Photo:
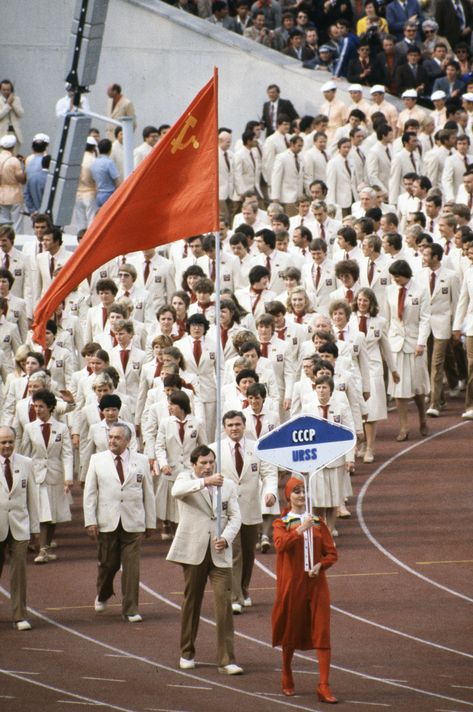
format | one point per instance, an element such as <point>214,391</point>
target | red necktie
<point>197,351</point>
<point>6,262</point>
<point>146,270</point>
<point>127,294</point>
<point>431,226</point>
<point>47,356</point>
<point>223,336</point>
<point>300,319</point>
<point>348,168</point>
<point>46,428</point>
<point>104,316</point>
<point>264,348</point>
<point>447,247</point>
<point>341,336</point>
<point>8,474</point>
<point>370,271</point>
<point>349,296</point>
<point>5,308</point>
<point>388,153</point>
<point>158,368</point>
<point>322,232</point>
<point>182,424</point>
<point>40,247</point>
<point>286,141</point>
<point>213,270</point>
<point>31,413</point>
<point>317,277</point>
<point>413,163</point>
<point>245,403</point>
<point>25,392</point>
<point>268,264</point>
<point>362,324</point>
<point>124,356</point>
<point>119,466</point>
<point>282,333</point>
<point>225,155</point>
<point>297,162</point>
<point>258,424</point>
<point>432,282</point>
<point>324,411</point>
<point>400,302</point>
<point>255,303</point>
<point>114,339</point>
<point>51,267</point>
<point>325,156</point>
<point>238,459</point>
<point>361,155</point>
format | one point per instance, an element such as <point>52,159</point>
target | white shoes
<point>22,625</point>
<point>236,608</point>
<point>343,512</point>
<point>247,603</point>
<point>368,456</point>
<point>99,606</point>
<point>231,669</point>
<point>135,618</point>
<point>433,412</point>
<point>468,414</point>
<point>186,664</point>
<point>265,544</point>
<point>42,557</point>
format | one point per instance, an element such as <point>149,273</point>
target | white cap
<point>328,86</point>
<point>41,137</point>
<point>377,89</point>
<point>8,141</point>
<point>437,95</point>
<point>355,87</point>
<point>409,94</point>
<point>468,96</point>
<point>91,141</point>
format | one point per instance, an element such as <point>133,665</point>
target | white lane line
<point>147,661</point>
<point>22,672</point>
<point>102,679</point>
<point>190,687</point>
<point>77,702</point>
<point>380,625</point>
<point>371,704</point>
<point>363,675</point>
<point>82,698</point>
<point>162,709</point>
<point>116,655</point>
<point>375,542</point>
<point>464,687</point>
<point>45,650</point>
<point>6,697</point>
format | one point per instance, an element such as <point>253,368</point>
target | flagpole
<point>218,364</point>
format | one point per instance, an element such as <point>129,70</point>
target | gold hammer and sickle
<point>178,143</point>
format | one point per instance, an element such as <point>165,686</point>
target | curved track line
<point>65,692</point>
<point>375,542</point>
<point>147,661</point>
<point>379,625</point>
<point>306,657</point>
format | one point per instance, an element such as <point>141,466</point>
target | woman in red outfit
<point>301,613</point>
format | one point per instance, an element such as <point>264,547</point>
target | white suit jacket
<point>342,188</point>
<point>378,165</point>
<point>19,507</point>
<point>414,329</point>
<point>287,178</point>
<point>21,269</point>
<point>434,164</point>
<point>464,312</point>
<point>443,301</point>
<point>274,144</point>
<point>197,526</point>
<point>254,472</point>
<point>41,274</point>
<point>452,177</point>
<point>107,501</point>
<point>52,464</point>
<point>320,296</point>
<point>315,166</point>
<point>245,172</point>
<point>169,449</point>
<point>402,164</point>
<point>225,175</point>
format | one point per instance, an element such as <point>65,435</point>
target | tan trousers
<point>244,547</point>
<point>195,578</point>
<point>438,349</point>
<point>469,383</point>
<point>115,549</point>
<point>17,551</point>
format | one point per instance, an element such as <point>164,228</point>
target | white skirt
<point>376,403</point>
<point>329,488</point>
<point>414,376</point>
<point>54,504</point>
<point>166,504</point>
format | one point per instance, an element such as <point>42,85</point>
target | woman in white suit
<point>367,321</point>
<point>408,310</point>
<point>178,435</point>
<point>48,443</point>
<point>229,327</point>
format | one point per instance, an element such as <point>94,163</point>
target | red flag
<point>172,194</point>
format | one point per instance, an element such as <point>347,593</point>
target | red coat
<point>301,612</point>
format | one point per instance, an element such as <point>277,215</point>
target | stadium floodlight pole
<point>218,365</point>
<point>126,124</point>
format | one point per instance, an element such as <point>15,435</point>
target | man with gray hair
<point>119,507</point>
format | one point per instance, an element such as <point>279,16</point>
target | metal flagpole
<point>218,364</point>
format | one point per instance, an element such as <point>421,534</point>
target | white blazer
<point>414,329</point>
<point>52,464</point>
<point>443,301</point>
<point>19,507</point>
<point>107,501</point>
<point>169,448</point>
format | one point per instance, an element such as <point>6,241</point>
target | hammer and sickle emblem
<point>178,143</point>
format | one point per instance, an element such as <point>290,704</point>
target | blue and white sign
<point>305,444</point>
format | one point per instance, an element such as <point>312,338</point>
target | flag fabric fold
<point>171,195</point>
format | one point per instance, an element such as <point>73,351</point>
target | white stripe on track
<point>375,542</point>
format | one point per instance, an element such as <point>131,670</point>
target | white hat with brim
<point>91,141</point>
<point>468,96</point>
<point>377,89</point>
<point>409,94</point>
<point>328,86</point>
<point>355,87</point>
<point>41,137</point>
<point>437,95</point>
<point>8,141</point>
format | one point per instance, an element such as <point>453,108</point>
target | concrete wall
<point>160,55</point>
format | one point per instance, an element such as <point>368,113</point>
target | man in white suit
<point>378,158</point>
<point>443,286</point>
<point>315,161</point>
<point>19,265</point>
<point>205,554</point>
<point>455,166</point>
<point>341,178</point>
<point>119,507</point>
<point>287,178</point>
<point>463,323</point>
<point>241,465</point>
<point>50,261</point>
<point>246,172</point>
<point>225,175</point>
<point>407,160</point>
<point>19,518</point>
